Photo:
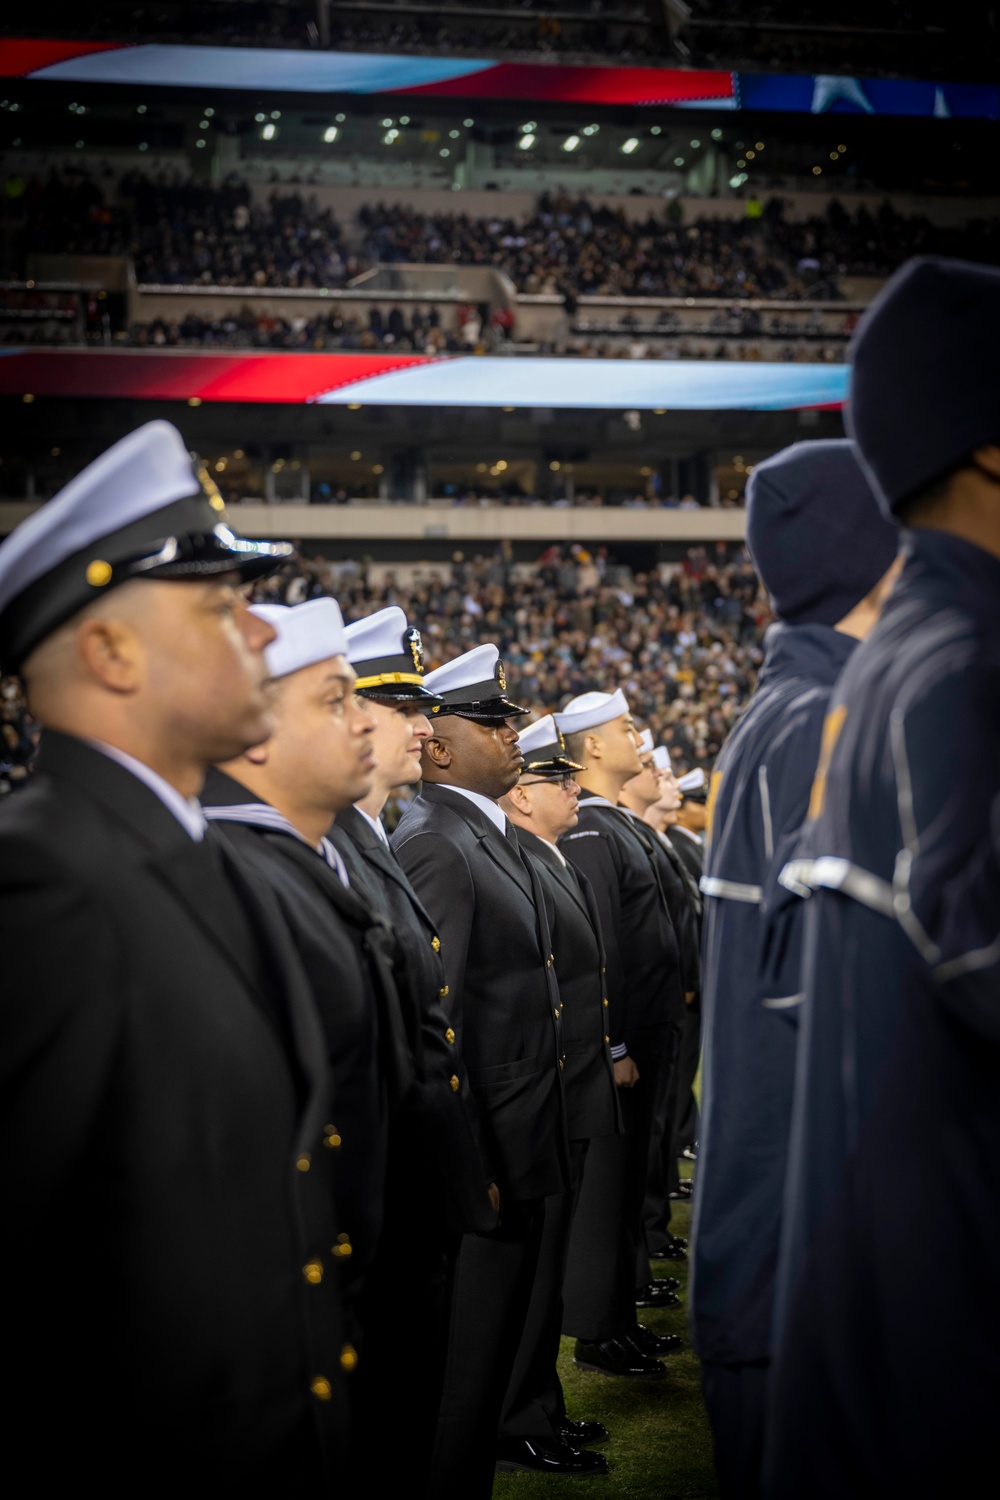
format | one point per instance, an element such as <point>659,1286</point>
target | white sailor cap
<point>388,656</point>
<point>694,785</point>
<point>304,634</point>
<point>645,741</point>
<point>661,758</point>
<point>143,509</point>
<point>544,750</point>
<point>591,710</point>
<point>474,686</point>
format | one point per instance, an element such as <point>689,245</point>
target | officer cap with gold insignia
<point>388,656</point>
<point>544,750</point>
<point>143,509</point>
<point>473,686</point>
<point>694,786</point>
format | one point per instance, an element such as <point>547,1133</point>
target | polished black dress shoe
<point>656,1296</point>
<point>674,1249</point>
<point>668,1283</point>
<point>681,1193</point>
<point>655,1345</point>
<point>617,1357</point>
<point>547,1458</point>
<point>582,1434</point>
<point>690,1153</point>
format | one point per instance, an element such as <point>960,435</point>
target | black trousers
<point>488,1306</point>
<point>534,1401</point>
<point>599,1289</point>
<point>735,1400</point>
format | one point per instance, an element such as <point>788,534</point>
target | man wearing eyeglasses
<point>535,1432</point>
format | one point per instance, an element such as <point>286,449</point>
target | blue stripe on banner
<point>601,385</point>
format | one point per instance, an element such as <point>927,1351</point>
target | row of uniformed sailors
<point>314,1111</point>
<point>848,1162</point>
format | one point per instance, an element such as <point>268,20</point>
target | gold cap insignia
<point>98,573</point>
<point>501,677</point>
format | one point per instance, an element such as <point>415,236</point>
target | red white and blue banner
<point>275,70</point>
<point>420,380</point>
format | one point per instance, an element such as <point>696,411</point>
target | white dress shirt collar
<point>375,824</point>
<point>495,814</point>
<point>187,811</point>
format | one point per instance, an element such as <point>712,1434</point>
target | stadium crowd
<point>181,232</point>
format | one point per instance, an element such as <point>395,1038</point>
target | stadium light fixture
<point>656,130</point>
<point>454,134</point>
<point>209,113</point>
<point>694,145</point>
<point>591,129</point>
<point>386,124</point>
<point>202,124</point>
<point>390,137</point>
<point>260,118</point>
<point>269,132</point>
<point>759,145</point>
<point>571,142</point>
<point>531,126</point>
<point>444,151</point>
<point>200,141</point>
<point>140,109</point>
<point>143,145</point>
<point>276,114</point>
<point>716,135</point>
<point>468,124</point>
<point>340,119</point>
<point>330,134</point>
<point>632,144</point>
<point>403,119</point>
<point>526,142</point>
<point>678,161</point>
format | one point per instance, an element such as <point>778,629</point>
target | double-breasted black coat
<point>503,998</point>
<point>437,1148</point>
<point>165,1100</point>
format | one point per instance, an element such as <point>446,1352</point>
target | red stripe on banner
<point>109,374</point>
<point>20,57</point>
<point>583,85</point>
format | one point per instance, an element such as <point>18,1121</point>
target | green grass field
<point>660,1446</point>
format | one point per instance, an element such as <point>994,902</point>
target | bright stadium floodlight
<point>390,137</point>
<point>571,142</point>
<point>531,126</point>
<point>269,132</point>
<point>591,129</point>
<point>526,142</point>
<point>330,134</point>
<point>632,144</point>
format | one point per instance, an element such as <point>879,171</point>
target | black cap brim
<point>485,708</point>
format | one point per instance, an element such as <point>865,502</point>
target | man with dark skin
<point>502,999</point>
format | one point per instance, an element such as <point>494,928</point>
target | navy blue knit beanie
<point>925,384</point>
<point>815,531</point>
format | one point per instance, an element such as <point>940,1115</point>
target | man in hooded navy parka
<point>894,1167</point>
<point>825,553</point>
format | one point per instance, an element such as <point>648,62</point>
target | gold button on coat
<point>321,1388</point>
<point>436,944</point>
<point>348,1357</point>
<point>443,993</point>
<point>304,1161</point>
<point>313,1272</point>
<point>343,1248</point>
<point>449,1036</point>
<point>455,1083</point>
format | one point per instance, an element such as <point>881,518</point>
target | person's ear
<point>112,653</point>
<point>257,754</point>
<point>519,798</point>
<point>438,752</point>
<point>987,458</point>
<point>592,748</point>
